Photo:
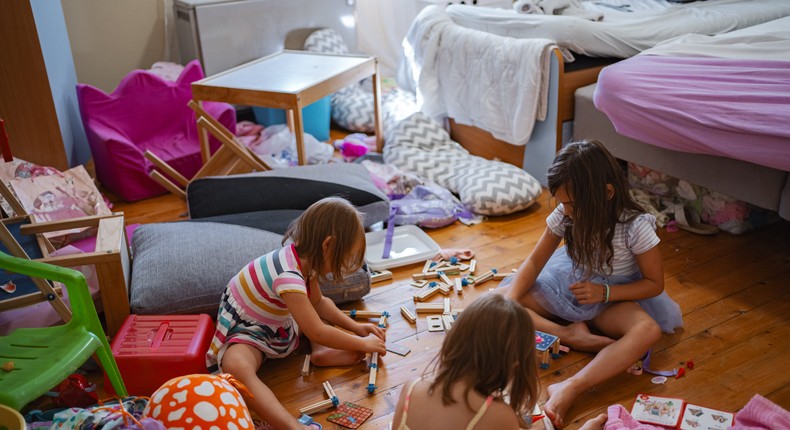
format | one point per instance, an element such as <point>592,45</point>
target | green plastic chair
<point>43,357</point>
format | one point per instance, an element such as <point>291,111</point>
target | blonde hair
<point>492,347</point>
<point>339,220</point>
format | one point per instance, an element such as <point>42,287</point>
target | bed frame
<point>547,137</point>
<point>759,185</point>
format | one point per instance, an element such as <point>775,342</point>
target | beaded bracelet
<point>606,295</point>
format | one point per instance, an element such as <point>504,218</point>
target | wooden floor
<point>733,291</point>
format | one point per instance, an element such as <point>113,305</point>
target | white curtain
<point>381,27</point>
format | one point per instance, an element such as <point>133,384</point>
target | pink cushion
<point>145,112</point>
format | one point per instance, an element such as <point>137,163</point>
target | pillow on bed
<point>486,187</point>
<point>183,267</point>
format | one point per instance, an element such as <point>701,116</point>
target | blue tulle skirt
<point>551,291</point>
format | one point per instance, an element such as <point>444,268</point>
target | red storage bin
<point>152,349</point>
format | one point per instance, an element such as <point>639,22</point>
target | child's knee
<point>236,365</point>
<point>649,330</point>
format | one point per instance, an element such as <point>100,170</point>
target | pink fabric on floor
<point>761,414</point>
<point>621,419</point>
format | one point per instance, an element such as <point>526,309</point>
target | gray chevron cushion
<point>352,106</point>
<point>486,187</point>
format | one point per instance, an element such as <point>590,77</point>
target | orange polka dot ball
<point>200,402</point>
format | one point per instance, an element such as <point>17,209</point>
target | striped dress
<point>252,310</point>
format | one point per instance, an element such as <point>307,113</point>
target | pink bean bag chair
<point>146,112</point>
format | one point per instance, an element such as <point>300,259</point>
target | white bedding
<point>623,34</point>
<point>768,41</point>
<point>494,83</point>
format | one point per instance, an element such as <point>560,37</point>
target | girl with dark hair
<point>608,276</point>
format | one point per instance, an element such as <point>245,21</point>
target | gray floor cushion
<point>183,267</point>
<point>486,187</point>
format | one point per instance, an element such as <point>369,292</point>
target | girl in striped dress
<point>608,276</point>
<point>277,297</point>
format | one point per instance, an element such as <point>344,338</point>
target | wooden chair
<point>232,157</point>
<point>110,258</point>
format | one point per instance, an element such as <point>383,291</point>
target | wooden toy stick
<point>445,279</point>
<point>452,270</point>
<point>426,275</point>
<point>408,315</point>
<point>427,266</point>
<point>501,276</point>
<point>329,391</point>
<point>429,308</point>
<point>374,364</point>
<point>459,287</point>
<point>306,365</point>
<point>426,294</point>
<point>485,277</point>
<point>446,308</point>
<point>435,323</point>
<point>363,314</point>
<point>448,321</point>
<point>380,275</point>
<point>318,406</point>
<point>383,319</point>
<point>472,266</point>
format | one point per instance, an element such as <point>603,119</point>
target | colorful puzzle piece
<point>350,415</point>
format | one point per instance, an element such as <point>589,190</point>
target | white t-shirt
<point>630,239</point>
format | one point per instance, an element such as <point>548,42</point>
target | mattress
<point>622,34</point>
<point>731,102</point>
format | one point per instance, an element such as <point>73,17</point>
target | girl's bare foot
<point>580,338</point>
<point>561,396</point>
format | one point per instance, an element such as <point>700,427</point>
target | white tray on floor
<point>409,245</point>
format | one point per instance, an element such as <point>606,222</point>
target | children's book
<point>676,413</point>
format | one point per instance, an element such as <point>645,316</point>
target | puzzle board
<point>350,415</point>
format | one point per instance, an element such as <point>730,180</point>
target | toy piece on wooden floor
<point>435,323</point>
<point>636,368</point>
<point>308,421</point>
<point>472,266</point>
<point>353,313</point>
<point>383,319</point>
<point>429,308</point>
<point>408,315</point>
<point>448,321</point>
<point>306,365</point>
<point>350,415</point>
<point>332,401</point>
<point>449,270</point>
<point>445,279</point>
<point>498,276</point>
<point>398,349</point>
<point>544,342</point>
<point>426,294</point>
<point>459,286</point>
<point>380,275</point>
<point>424,275</point>
<point>374,365</point>
<point>419,284</point>
<point>446,309</point>
<point>428,265</point>
<point>485,277</point>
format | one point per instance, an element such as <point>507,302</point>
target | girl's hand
<point>364,329</point>
<point>588,293</point>
<point>374,344</point>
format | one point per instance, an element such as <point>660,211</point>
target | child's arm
<point>329,312</point>
<point>311,325</point>
<point>530,269</point>
<point>651,284</point>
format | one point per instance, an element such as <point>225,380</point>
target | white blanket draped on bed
<point>487,81</point>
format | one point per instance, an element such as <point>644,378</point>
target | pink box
<point>152,349</point>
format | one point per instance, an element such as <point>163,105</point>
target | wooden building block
<point>435,323</point>
<point>408,315</point>
<point>380,275</point>
<point>429,308</point>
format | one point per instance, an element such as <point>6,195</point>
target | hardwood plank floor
<point>733,291</point>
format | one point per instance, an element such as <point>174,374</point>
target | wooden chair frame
<point>110,258</point>
<point>232,157</point>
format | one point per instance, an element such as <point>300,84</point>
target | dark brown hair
<point>335,218</point>
<point>491,347</point>
<point>585,169</point>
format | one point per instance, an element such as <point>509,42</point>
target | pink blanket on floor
<point>759,414</point>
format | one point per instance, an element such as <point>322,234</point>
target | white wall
<point>381,27</point>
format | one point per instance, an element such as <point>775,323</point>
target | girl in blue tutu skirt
<point>608,276</point>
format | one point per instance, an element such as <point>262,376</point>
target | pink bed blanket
<point>725,107</point>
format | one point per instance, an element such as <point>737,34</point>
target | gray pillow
<point>183,267</point>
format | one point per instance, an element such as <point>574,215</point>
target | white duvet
<point>479,79</point>
<point>622,34</point>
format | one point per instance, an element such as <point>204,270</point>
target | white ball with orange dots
<point>200,402</point>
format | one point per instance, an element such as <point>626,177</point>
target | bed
<point>713,110</point>
<point>506,80</point>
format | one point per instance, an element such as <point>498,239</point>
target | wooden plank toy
<point>429,308</point>
<point>448,321</point>
<point>459,287</point>
<point>306,365</point>
<point>380,275</point>
<point>435,323</point>
<point>332,401</point>
<point>472,266</point>
<point>408,315</point>
<point>545,342</point>
<point>374,364</point>
<point>383,319</point>
<point>485,277</point>
<point>424,276</point>
<point>353,313</point>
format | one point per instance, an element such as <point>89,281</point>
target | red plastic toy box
<point>152,349</point>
